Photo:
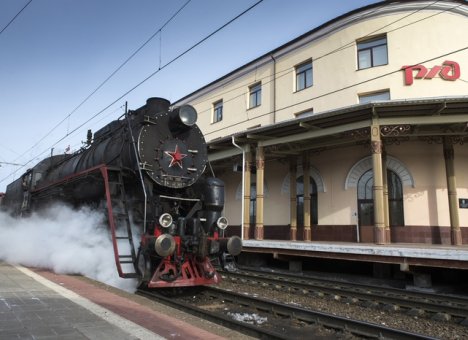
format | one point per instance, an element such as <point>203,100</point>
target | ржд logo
<point>450,70</point>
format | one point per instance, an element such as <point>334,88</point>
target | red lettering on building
<point>450,70</point>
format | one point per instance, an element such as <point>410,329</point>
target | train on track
<point>146,171</point>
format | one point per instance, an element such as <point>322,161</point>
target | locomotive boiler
<point>146,169</point>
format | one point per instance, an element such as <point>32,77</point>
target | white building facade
<point>373,106</point>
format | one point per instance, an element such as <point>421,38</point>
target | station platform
<point>416,254</point>
<point>38,304</point>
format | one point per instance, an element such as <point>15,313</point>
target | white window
<point>218,111</point>
<point>304,75</point>
<point>255,95</point>
<point>372,52</point>
<point>374,96</point>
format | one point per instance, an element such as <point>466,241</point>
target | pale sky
<point>55,53</point>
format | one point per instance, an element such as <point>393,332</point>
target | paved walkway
<point>38,304</point>
<point>33,308</point>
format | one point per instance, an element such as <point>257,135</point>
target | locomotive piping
<point>139,167</point>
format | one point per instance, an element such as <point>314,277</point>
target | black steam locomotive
<point>146,170</point>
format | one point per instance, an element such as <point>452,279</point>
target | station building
<point>355,131</point>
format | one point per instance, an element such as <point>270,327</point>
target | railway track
<point>427,305</point>
<point>267,319</point>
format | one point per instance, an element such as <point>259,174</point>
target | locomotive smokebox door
<point>171,155</point>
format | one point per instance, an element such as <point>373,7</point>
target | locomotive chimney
<point>157,105</point>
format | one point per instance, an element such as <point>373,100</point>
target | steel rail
<point>217,318</point>
<point>280,311</point>
<point>456,307</point>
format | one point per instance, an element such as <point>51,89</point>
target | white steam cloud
<point>63,240</point>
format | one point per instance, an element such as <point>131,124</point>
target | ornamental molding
<point>395,130</point>
<point>365,164</point>
<point>313,172</point>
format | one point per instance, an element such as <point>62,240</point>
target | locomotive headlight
<point>222,223</point>
<point>165,220</point>
<point>188,115</point>
<point>182,118</point>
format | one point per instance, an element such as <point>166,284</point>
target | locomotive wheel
<point>144,268</point>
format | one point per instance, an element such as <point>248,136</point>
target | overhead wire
<point>142,82</point>
<point>14,18</point>
<point>287,70</point>
<point>107,79</point>
<point>340,89</point>
<point>347,45</point>
<point>158,70</point>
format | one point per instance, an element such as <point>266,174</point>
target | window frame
<point>217,111</point>
<point>300,201</point>
<point>255,91</point>
<point>365,199</point>
<point>304,82</point>
<point>372,50</point>
<point>369,95</point>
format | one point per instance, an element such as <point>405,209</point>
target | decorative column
<point>260,157</point>
<point>293,198</point>
<point>455,231</point>
<point>246,198</point>
<point>379,219</point>
<point>385,195</point>
<point>306,168</point>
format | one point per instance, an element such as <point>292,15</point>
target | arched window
<point>300,201</point>
<point>366,199</point>
<point>395,199</point>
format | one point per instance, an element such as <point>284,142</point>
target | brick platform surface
<point>38,304</point>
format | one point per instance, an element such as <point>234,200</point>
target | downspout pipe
<point>243,185</point>
<point>274,88</point>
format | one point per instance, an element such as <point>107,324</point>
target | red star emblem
<point>176,157</point>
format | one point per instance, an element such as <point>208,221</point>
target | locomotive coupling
<point>165,245</point>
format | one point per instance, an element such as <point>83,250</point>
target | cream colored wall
<point>236,114</point>
<point>411,39</point>
<point>232,206</point>
<point>410,45</point>
<point>461,166</point>
<point>337,205</point>
<point>425,205</point>
<point>276,203</point>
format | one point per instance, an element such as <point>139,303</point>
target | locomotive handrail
<point>137,158</point>
<point>69,178</point>
<point>180,198</point>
